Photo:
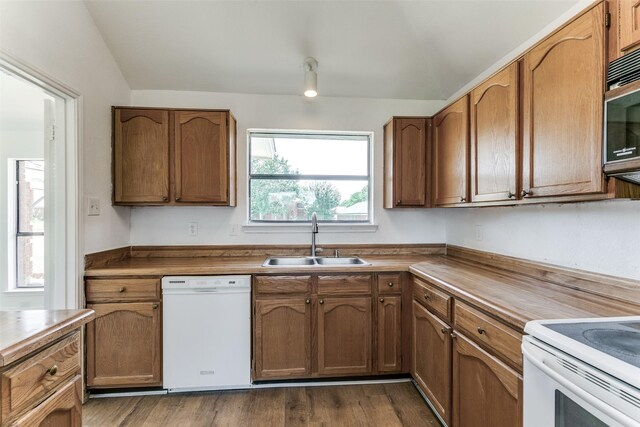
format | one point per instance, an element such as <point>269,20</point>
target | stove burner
<point>615,340</point>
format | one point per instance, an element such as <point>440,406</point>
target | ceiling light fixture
<point>310,77</point>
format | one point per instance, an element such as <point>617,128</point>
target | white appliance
<point>206,332</point>
<point>582,372</point>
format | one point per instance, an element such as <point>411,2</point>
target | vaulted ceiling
<point>375,49</point>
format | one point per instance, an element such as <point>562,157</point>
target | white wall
<point>60,39</point>
<point>602,237</point>
<point>156,226</point>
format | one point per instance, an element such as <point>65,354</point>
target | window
<point>29,217</point>
<point>292,175</point>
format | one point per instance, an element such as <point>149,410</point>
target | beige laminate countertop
<point>22,332</point>
<point>510,296</point>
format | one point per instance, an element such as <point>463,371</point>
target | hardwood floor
<point>397,404</point>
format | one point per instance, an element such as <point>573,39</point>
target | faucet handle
<point>319,250</point>
<point>337,253</point>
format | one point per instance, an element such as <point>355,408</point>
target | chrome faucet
<point>314,231</point>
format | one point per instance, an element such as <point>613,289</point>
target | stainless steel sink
<point>341,261</point>
<point>288,261</point>
<point>312,261</point>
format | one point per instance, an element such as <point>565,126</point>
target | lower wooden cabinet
<point>486,392</point>
<point>431,361</point>
<point>123,345</point>
<point>344,336</point>
<point>282,331</point>
<point>389,334</point>
<point>61,409</point>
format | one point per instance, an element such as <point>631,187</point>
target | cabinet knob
<point>154,306</point>
<point>444,330</point>
<point>511,195</point>
<point>453,335</point>
<point>307,301</point>
<point>381,299</point>
<point>398,202</point>
<point>165,198</point>
<point>321,301</point>
<point>481,331</point>
<point>53,370</point>
<point>427,297</point>
<point>390,284</point>
<point>178,199</point>
<point>463,199</point>
<point>122,289</point>
<point>526,193</point>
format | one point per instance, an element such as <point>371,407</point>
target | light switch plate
<point>192,229</point>
<point>93,208</point>
<point>479,233</point>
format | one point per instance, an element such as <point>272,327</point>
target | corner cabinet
<point>407,160</point>
<point>564,81</point>
<point>451,142</point>
<point>174,157</point>
<point>494,137</point>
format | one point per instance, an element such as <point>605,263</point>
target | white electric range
<point>582,372</point>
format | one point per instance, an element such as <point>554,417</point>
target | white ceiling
<point>375,49</point>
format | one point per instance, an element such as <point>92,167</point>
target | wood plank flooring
<point>397,404</point>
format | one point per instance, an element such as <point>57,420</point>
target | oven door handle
<point>587,397</point>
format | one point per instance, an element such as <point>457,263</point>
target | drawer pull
<point>307,301</point>
<point>444,330</point>
<point>427,297</point>
<point>453,335</point>
<point>390,284</point>
<point>481,331</point>
<point>154,306</point>
<point>321,301</point>
<point>53,370</point>
<point>122,289</point>
<point>381,299</point>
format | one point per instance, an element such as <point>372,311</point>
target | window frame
<point>15,211</point>
<point>311,134</point>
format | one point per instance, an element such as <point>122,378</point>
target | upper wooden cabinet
<point>494,137</point>
<point>451,142</point>
<point>563,110</point>
<point>629,22</point>
<point>407,159</point>
<point>141,156</point>
<point>174,157</point>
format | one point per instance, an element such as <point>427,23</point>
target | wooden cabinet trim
<point>285,285</point>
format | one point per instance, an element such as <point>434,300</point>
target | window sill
<point>23,291</point>
<point>306,228</point>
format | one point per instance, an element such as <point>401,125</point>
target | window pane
<point>30,261</point>
<point>30,177</point>
<point>296,200</point>
<point>310,155</point>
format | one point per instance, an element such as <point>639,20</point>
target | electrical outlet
<point>94,207</point>
<point>233,230</point>
<point>192,229</point>
<point>479,233</point>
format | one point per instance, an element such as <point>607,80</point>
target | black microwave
<point>621,147</point>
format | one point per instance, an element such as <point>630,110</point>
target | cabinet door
<point>486,392</point>
<point>389,332</point>
<point>201,157</point>
<point>141,156</point>
<point>123,345</point>
<point>494,143</point>
<point>563,110</point>
<point>410,162</point>
<point>629,24</point>
<point>282,333</point>
<point>451,140</point>
<point>344,336</point>
<point>431,362</point>
<point>62,409</point>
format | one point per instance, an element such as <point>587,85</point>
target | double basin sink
<point>312,261</point>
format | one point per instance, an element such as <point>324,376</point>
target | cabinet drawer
<point>63,408</point>
<point>501,338</point>
<point>282,284</point>
<point>432,298</point>
<point>346,284</point>
<point>119,290</point>
<point>389,283</point>
<point>28,382</point>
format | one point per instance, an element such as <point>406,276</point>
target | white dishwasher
<point>206,332</point>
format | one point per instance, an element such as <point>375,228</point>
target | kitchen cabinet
<point>486,392</point>
<point>63,408</point>
<point>174,157</point>
<point>563,110</point>
<point>629,24</point>
<point>407,160</point>
<point>124,341</point>
<point>282,330</point>
<point>432,363</point>
<point>494,137</point>
<point>344,335</point>
<point>451,142</point>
